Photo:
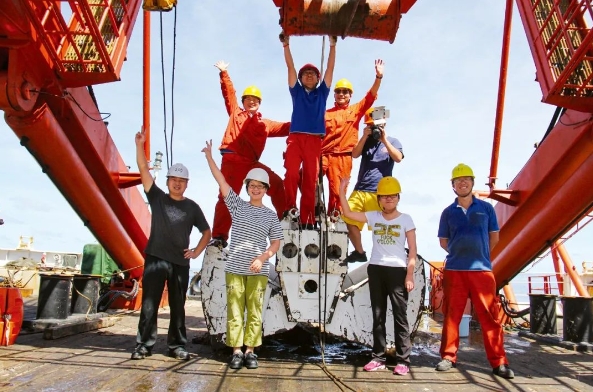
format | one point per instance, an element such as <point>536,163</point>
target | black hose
<point>510,312</point>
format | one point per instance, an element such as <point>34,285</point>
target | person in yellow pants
<point>378,153</point>
<point>247,266</point>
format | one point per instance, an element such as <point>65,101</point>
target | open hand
<point>221,65</point>
<point>379,66</point>
<point>256,264</point>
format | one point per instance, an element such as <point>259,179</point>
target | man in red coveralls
<point>242,145</point>
<point>307,128</point>
<point>341,133</point>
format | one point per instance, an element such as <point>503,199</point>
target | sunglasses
<point>343,91</point>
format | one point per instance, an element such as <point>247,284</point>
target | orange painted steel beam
<point>509,293</point>
<point>146,83</point>
<point>555,191</point>
<point>372,19</point>
<point>71,124</point>
<point>559,278</point>
<point>91,140</point>
<point>502,86</point>
<point>126,180</point>
<point>40,132</point>
<point>571,270</point>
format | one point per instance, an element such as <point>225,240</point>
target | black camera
<point>379,116</point>
<point>376,131</point>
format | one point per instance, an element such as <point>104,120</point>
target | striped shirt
<point>251,228</point>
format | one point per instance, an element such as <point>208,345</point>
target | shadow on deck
<point>100,361</point>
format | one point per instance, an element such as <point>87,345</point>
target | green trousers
<point>244,291</point>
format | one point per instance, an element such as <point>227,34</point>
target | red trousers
<point>305,149</point>
<point>234,168</point>
<point>335,167</point>
<point>480,287</point>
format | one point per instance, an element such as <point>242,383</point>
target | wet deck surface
<point>100,361</point>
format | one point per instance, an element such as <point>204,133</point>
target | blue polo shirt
<point>375,163</point>
<point>468,235</point>
<point>308,109</point>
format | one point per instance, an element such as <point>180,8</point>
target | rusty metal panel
<point>372,19</point>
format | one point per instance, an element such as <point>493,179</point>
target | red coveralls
<point>302,148</point>
<point>242,145</point>
<point>480,286</point>
<point>341,136</point>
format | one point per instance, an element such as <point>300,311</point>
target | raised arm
<point>292,74</point>
<point>331,61</point>
<point>216,173</point>
<point>145,176</point>
<point>346,211</point>
<point>226,85</point>
<point>394,153</point>
<point>378,76</point>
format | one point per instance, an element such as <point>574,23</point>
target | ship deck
<point>100,361</point>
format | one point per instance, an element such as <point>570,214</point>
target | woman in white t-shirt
<point>390,270</point>
<point>247,266</point>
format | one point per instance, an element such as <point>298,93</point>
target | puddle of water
<point>301,344</point>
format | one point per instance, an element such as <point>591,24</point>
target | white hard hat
<point>178,170</point>
<point>258,174</point>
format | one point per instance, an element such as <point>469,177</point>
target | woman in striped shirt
<point>247,266</point>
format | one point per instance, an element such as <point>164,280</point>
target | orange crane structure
<point>47,66</point>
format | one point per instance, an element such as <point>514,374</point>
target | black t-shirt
<point>172,222</point>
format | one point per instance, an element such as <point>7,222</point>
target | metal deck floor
<point>100,361</point>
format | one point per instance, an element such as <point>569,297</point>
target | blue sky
<point>440,84</point>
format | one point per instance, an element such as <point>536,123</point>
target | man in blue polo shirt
<point>307,128</point>
<point>468,231</point>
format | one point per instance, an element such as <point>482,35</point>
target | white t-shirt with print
<point>389,239</point>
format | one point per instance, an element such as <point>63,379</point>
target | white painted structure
<point>25,250</point>
<point>21,265</point>
<point>310,284</point>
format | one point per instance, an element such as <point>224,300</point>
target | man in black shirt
<point>167,255</point>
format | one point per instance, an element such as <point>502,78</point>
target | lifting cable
<point>323,242</point>
<point>168,145</point>
<point>323,262</point>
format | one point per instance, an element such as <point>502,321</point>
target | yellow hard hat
<point>388,186</point>
<point>462,170</point>
<point>344,83</point>
<point>253,91</point>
